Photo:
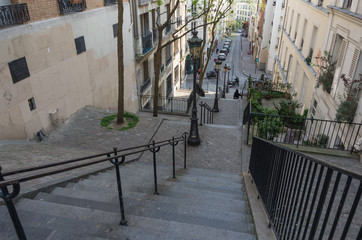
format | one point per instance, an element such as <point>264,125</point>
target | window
<point>19,69</point>
<point>303,33</point>
<point>145,24</point>
<point>145,70</point>
<point>31,103</point>
<point>80,45</point>
<point>290,22</point>
<point>347,4</point>
<point>296,28</point>
<point>115,30</point>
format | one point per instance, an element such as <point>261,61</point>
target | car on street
<point>228,40</point>
<point>224,50</point>
<point>222,56</point>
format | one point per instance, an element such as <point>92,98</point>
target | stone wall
<point>61,80</point>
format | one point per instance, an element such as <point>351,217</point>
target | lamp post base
<point>194,138</point>
<point>216,105</point>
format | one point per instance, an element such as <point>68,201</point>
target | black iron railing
<point>162,68</point>
<point>147,42</point>
<point>145,85</point>
<point>110,2</point>
<point>13,14</point>
<point>69,6</point>
<point>306,198</point>
<point>116,157</point>
<point>302,131</point>
<point>206,114</point>
<point>165,104</point>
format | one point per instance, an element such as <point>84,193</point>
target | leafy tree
<point>326,71</point>
<point>198,13</point>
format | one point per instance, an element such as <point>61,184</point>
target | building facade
<point>61,59</point>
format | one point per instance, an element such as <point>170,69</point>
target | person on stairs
<point>237,94</point>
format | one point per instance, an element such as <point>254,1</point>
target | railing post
<point>247,135</point>
<point>116,163</point>
<point>184,137</point>
<point>354,142</point>
<point>154,151</point>
<point>173,144</point>
<point>7,197</point>
<point>300,131</point>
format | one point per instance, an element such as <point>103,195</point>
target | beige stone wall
<point>60,80</point>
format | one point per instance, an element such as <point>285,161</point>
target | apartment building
<point>302,40</point>
<point>274,14</point>
<point>145,16</point>
<point>256,25</point>
<point>344,42</point>
<point>57,57</point>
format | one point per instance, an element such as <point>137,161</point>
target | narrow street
<point>241,65</point>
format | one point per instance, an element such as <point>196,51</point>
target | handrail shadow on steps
<point>116,157</point>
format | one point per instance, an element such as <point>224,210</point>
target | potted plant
<point>326,71</point>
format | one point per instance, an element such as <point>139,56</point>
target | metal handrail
<point>294,190</point>
<point>206,113</point>
<point>19,177</point>
<point>165,104</point>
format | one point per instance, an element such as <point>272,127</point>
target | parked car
<point>211,74</point>
<point>228,40</point>
<point>222,56</point>
<point>227,46</point>
<point>224,50</point>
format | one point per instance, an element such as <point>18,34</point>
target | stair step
<point>134,206</point>
<point>185,229</point>
<point>107,197</point>
<point>212,173</point>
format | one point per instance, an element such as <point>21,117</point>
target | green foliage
<point>326,72</point>
<point>131,119</point>
<point>287,107</point>
<point>320,140</point>
<point>347,108</point>
<point>269,127</point>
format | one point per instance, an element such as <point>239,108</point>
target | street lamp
<point>225,70</point>
<point>217,68</point>
<point>195,52</point>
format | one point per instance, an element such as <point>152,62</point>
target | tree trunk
<point>120,64</point>
<point>157,66</point>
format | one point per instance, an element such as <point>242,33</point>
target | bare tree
<point>120,64</point>
<point>179,33</point>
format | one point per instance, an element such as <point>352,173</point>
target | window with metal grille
<point>80,45</point>
<point>19,69</point>
<point>31,103</point>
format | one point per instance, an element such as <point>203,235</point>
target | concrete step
<point>135,206</point>
<point>155,225</point>
<point>187,230</point>
<point>132,196</point>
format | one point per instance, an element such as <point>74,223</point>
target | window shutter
<point>342,52</point>
<point>353,63</point>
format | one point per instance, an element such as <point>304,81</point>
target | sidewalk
<point>248,64</point>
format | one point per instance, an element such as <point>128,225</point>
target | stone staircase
<point>198,204</point>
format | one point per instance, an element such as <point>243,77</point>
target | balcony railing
<point>110,2</point>
<point>309,132</point>
<point>145,85</point>
<point>13,14</point>
<point>165,104</point>
<point>305,198</point>
<point>69,6</point>
<point>147,42</point>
